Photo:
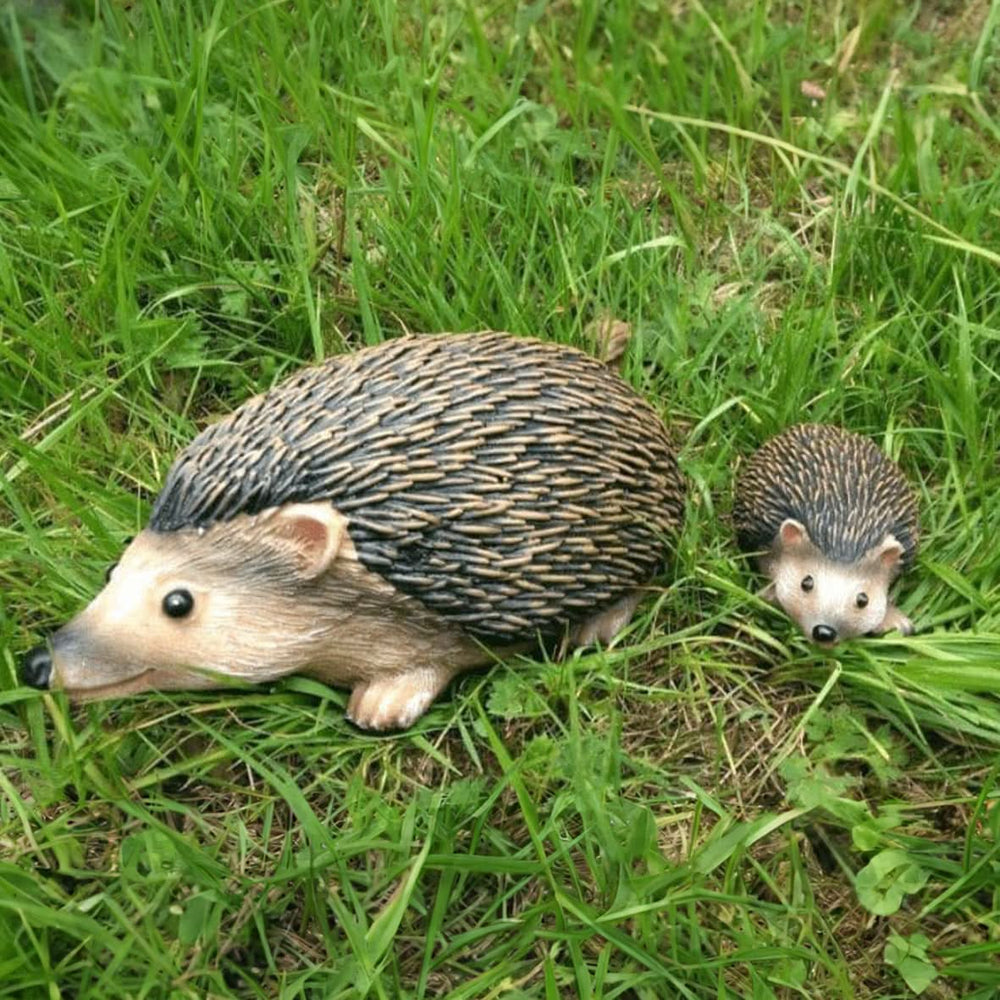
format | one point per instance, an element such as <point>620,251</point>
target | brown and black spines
<point>509,484</point>
<point>838,484</point>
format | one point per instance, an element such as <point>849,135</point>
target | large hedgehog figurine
<point>834,523</point>
<point>384,521</point>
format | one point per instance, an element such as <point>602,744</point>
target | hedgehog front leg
<point>895,619</point>
<point>396,701</point>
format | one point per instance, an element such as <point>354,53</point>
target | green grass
<point>196,199</point>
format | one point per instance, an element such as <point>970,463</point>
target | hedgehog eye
<point>807,583</point>
<point>109,571</point>
<point>862,600</point>
<point>178,603</point>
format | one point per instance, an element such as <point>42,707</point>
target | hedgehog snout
<point>36,667</point>
<point>824,633</point>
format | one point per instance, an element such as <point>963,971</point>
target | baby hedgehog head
<point>833,522</point>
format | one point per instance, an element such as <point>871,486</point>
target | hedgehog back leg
<point>606,624</point>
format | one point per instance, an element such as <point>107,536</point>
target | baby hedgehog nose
<point>36,667</point>
<point>824,633</point>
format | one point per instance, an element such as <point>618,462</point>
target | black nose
<point>36,667</point>
<point>824,633</point>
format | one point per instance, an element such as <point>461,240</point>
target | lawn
<point>796,205</point>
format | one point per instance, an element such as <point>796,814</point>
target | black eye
<point>178,603</point>
<point>807,583</point>
<point>108,572</point>
<point>862,601</point>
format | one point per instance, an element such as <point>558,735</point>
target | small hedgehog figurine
<point>835,523</point>
<point>384,521</point>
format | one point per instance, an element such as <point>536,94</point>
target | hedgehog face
<point>196,609</point>
<point>831,600</point>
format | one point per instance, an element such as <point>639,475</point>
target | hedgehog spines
<point>509,484</point>
<point>846,492</point>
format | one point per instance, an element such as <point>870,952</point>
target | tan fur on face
<point>275,593</point>
<point>835,586</point>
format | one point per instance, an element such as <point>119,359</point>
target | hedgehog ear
<point>316,532</point>
<point>890,553</point>
<point>792,533</point>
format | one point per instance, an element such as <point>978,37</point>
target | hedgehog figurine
<point>835,523</point>
<point>384,521</point>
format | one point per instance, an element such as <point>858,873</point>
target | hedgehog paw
<point>603,627</point>
<point>395,702</point>
<point>895,619</point>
